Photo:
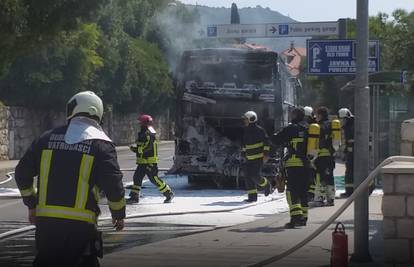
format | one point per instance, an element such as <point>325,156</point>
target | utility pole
<point>362,129</point>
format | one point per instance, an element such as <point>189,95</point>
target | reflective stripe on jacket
<point>146,147</point>
<point>69,176</point>
<point>294,137</point>
<point>255,142</point>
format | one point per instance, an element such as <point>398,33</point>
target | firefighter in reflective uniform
<point>310,119</point>
<point>329,142</point>
<point>146,151</point>
<point>296,137</point>
<point>255,148</point>
<point>72,163</point>
<point>348,129</point>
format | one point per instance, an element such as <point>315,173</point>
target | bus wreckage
<point>214,87</point>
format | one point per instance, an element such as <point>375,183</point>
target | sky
<point>313,10</point>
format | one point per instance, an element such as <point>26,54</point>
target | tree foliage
<point>396,36</point>
<point>27,24</point>
<point>235,17</point>
<point>54,49</point>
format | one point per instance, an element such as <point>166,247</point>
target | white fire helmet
<point>251,116</point>
<point>344,112</point>
<point>308,111</point>
<point>87,103</point>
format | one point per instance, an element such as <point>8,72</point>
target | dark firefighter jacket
<point>294,137</point>
<point>69,178</point>
<point>348,129</point>
<point>255,143</point>
<point>146,148</point>
<point>325,141</point>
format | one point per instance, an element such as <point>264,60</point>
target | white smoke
<point>178,30</point>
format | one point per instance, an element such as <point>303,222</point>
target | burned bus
<point>214,88</point>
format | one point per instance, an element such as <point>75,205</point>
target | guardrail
<point>360,189</point>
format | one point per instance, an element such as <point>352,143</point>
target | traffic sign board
<point>337,57</point>
<point>302,29</point>
<point>212,31</point>
<point>272,30</point>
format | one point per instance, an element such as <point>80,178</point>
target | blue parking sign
<point>338,57</point>
<point>212,31</point>
<point>283,29</point>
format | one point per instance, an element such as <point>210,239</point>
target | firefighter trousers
<point>253,179</point>
<point>151,170</point>
<point>296,192</point>
<point>324,170</point>
<point>65,243</point>
<point>349,173</point>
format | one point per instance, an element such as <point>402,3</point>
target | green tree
<point>27,25</point>
<point>235,17</point>
<point>46,78</point>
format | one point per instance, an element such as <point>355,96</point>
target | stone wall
<point>124,128</point>
<point>121,128</point>
<point>19,126</point>
<point>398,204</point>
<point>398,212</point>
<point>26,124</point>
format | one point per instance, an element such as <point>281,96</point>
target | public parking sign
<point>337,57</point>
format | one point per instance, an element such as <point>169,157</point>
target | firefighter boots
<point>169,195</point>
<point>133,199</point>
<point>295,221</point>
<point>251,198</point>
<point>268,189</point>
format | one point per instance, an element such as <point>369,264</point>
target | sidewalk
<point>249,243</point>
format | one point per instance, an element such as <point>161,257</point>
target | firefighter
<point>329,142</point>
<point>313,181</point>
<point>72,163</point>
<point>348,129</point>
<point>146,150</point>
<point>295,137</point>
<point>255,148</point>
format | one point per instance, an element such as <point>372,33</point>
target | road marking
<point>9,204</point>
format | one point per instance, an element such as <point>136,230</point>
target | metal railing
<point>360,189</point>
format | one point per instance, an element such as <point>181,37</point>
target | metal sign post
<point>362,119</point>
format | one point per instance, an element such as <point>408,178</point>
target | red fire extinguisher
<point>339,252</point>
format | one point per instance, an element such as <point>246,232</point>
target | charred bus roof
<point>219,55</point>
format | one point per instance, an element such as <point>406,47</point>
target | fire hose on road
<point>9,177</point>
<point>145,215</point>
